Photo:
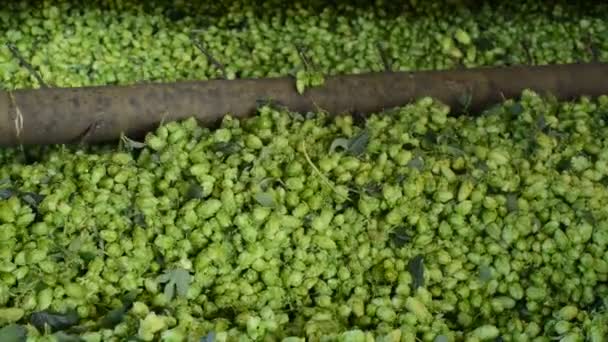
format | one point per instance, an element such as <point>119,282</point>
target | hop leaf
<point>195,191</point>
<point>176,281</point>
<point>32,199</point>
<point>355,146</point>
<point>516,109</point>
<point>6,193</point>
<point>13,333</point>
<point>416,163</point>
<point>265,199</point>
<point>416,268</point>
<point>342,143</point>
<point>209,338</point>
<point>359,143</point>
<point>226,148</point>
<point>54,320</point>
<point>441,338</point>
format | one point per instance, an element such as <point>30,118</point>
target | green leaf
<point>177,282</point>
<point>195,191</point>
<point>265,198</point>
<point>400,237</point>
<point>113,318</point>
<point>482,165</point>
<point>416,268</point>
<point>55,321</point>
<point>541,123</point>
<point>78,241</point>
<point>455,151</point>
<point>342,143</point>
<point>6,193</point>
<point>226,148</point>
<point>87,256</point>
<point>170,290</point>
<point>13,333</point>
<point>429,141</point>
<point>516,109</point>
<point>416,163</point>
<point>182,282</point>
<point>588,216</point>
<point>209,338</point>
<point>494,110</point>
<point>485,273</point>
<point>373,189</point>
<point>354,146</point>
<point>359,143</point>
<point>267,182</point>
<point>441,338</point>
<point>32,199</point>
<point>165,277</point>
<point>512,202</point>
